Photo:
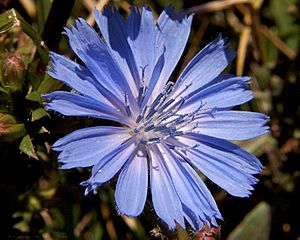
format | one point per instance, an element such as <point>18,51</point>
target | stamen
<point>128,111</point>
<point>186,87</point>
<point>159,109</point>
<point>168,88</point>
<point>155,102</point>
<point>210,111</point>
<point>143,71</point>
<point>141,93</point>
<point>159,100</point>
<point>141,116</point>
<point>170,113</point>
<point>153,140</point>
<point>178,149</point>
<point>149,127</point>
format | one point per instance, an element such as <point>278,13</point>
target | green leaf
<point>6,21</point>
<point>27,147</point>
<point>47,85</point>
<point>181,233</point>
<point>255,226</point>
<point>34,96</point>
<point>34,204</point>
<point>43,130</point>
<point>43,8</point>
<point>38,114</point>
<point>10,129</point>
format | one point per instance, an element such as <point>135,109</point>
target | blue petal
<point>75,76</point>
<point>165,199</point>
<point>238,157</point>
<point>153,81</point>
<point>97,57</point>
<point>225,94</point>
<point>132,186</point>
<point>172,32</point>
<point>142,42</point>
<point>85,147</point>
<point>233,125</point>
<point>205,66</point>
<point>132,27</point>
<point>88,132</point>
<point>70,104</point>
<point>222,162</point>
<point>190,188</point>
<point>114,31</point>
<point>191,217</point>
<point>111,163</point>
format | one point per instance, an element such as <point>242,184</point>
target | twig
<point>89,4</point>
<point>277,42</point>
<point>242,50</point>
<point>195,42</point>
<point>87,218</point>
<point>47,218</point>
<point>234,21</point>
<point>215,6</point>
<point>92,5</point>
<point>125,6</point>
<point>29,7</point>
<point>244,38</point>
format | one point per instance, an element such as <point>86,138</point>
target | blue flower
<point>167,130</point>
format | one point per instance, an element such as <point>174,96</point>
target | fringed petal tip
<point>221,41</point>
<point>175,15</point>
<point>107,11</point>
<point>90,186</point>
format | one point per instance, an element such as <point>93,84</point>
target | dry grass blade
<point>244,39</point>
<point>215,6</point>
<point>242,50</point>
<point>29,7</point>
<point>277,42</point>
<point>195,42</point>
<point>84,222</point>
<point>91,5</point>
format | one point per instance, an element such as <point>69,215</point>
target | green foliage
<point>10,129</point>
<point>11,19</point>
<point>255,226</point>
<point>284,14</point>
<point>27,147</point>
<point>47,85</point>
<point>181,233</point>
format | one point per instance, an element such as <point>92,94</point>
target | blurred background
<point>38,201</point>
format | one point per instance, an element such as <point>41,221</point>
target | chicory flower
<point>167,130</point>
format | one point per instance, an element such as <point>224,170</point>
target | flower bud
<point>12,71</point>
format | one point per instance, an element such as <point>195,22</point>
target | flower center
<point>163,118</point>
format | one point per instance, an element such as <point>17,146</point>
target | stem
<point>57,19</point>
